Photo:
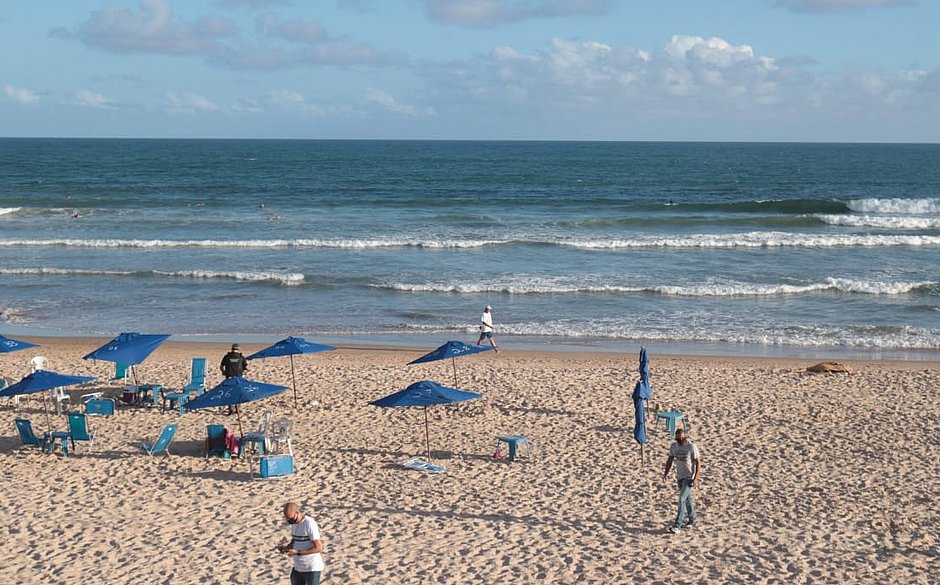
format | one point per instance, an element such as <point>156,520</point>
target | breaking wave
<point>882,221</point>
<point>280,277</point>
<point>9,210</point>
<point>896,206</point>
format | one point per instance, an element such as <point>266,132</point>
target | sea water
<point>716,247</point>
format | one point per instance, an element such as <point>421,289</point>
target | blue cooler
<point>276,465</point>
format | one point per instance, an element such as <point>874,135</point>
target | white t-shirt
<point>683,455</point>
<point>303,534</point>
<point>486,322</point>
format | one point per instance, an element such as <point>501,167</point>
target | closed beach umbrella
<point>641,393</point>
<point>450,350</point>
<point>424,393</point>
<point>42,380</point>
<point>290,347</point>
<point>128,348</point>
<point>235,391</point>
<point>8,344</point>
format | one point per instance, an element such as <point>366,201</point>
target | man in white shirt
<point>305,546</point>
<point>486,327</point>
<point>688,465</point>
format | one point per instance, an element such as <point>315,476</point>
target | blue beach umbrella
<point>291,346</point>
<point>128,348</point>
<point>8,344</point>
<point>235,391</point>
<point>424,393</point>
<point>641,393</point>
<point>42,380</point>
<point>450,350</point>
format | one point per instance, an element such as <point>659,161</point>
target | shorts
<point>486,335</point>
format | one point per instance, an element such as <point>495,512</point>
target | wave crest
<point>896,206</point>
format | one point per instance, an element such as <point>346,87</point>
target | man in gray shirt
<point>688,465</point>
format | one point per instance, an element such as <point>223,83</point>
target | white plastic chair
<point>263,434</point>
<point>59,395</point>
<point>281,434</point>
<point>39,363</point>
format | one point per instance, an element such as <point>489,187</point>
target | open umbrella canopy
<point>234,391</point>
<point>42,380</point>
<point>290,346</point>
<point>424,393</point>
<point>8,344</point>
<point>128,348</point>
<point>451,349</point>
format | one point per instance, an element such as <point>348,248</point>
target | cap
<point>487,308</point>
<point>234,346</point>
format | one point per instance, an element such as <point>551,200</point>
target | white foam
<point>9,210</point>
<point>882,221</point>
<point>296,243</point>
<point>757,240</point>
<point>896,206</point>
<point>289,278</point>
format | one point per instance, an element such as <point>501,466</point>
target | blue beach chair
<point>197,379</point>
<point>79,431</point>
<point>215,442</point>
<point>27,437</point>
<point>163,441</point>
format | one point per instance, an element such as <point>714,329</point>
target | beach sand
<point>806,478</point>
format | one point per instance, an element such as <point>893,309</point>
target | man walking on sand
<point>688,466</point>
<point>304,546</point>
<point>233,365</point>
<point>486,327</point>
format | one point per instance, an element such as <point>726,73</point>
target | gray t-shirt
<point>683,455</point>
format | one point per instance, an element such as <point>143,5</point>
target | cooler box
<point>276,465</point>
<point>103,406</point>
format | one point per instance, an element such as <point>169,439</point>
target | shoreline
<point>570,349</point>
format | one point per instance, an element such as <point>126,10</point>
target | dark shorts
<point>486,334</point>
<point>298,578</point>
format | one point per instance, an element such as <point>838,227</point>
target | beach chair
<point>79,431</point>
<point>215,442</point>
<point>197,377</point>
<point>39,363</point>
<point>24,427</point>
<point>281,434</point>
<point>163,441</point>
<point>102,406</point>
<point>173,400</point>
<point>260,438</point>
<point>4,382</point>
<point>122,373</point>
<point>59,396</point>
<point>419,464</point>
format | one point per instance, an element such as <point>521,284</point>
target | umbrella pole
<point>454,362</point>
<point>45,411</point>
<point>293,378</point>
<point>427,434</point>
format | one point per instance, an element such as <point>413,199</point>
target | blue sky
<point>752,70</point>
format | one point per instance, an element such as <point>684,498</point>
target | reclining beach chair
<point>24,427</point>
<point>79,431</point>
<point>163,441</point>
<point>197,378</point>
<point>215,442</point>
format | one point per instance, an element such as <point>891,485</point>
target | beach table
<point>514,442</point>
<point>49,439</point>
<point>670,417</point>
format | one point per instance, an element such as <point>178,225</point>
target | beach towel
<point>421,465</point>
<point>231,441</point>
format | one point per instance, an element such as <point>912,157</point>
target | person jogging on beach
<point>486,327</point>
<point>688,466</point>
<point>304,546</point>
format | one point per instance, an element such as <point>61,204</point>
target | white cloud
<point>296,30</point>
<point>483,13</point>
<point>20,94</point>
<point>836,5</point>
<point>90,99</point>
<point>151,30</point>
<point>188,103</point>
<point>387,102</point>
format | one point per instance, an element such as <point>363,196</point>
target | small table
<point>670,417</point>
<point>514,441</point>
<point>179,398</point>
<point>49,439</point>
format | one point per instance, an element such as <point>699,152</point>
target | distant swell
<point>282,278</point>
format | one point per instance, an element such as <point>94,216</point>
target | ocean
<point>727,248</point>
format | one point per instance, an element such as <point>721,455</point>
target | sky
<point>698,70</point>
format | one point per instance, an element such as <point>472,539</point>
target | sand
<point>806,478</point>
